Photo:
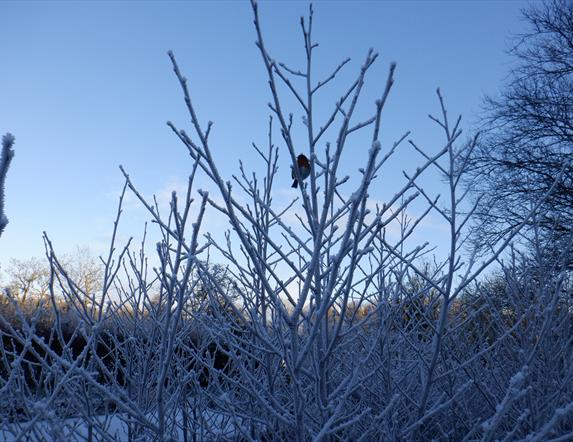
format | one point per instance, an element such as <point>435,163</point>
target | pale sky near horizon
<point>87,85</point>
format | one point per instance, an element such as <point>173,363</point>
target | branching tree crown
<point>526,146</point>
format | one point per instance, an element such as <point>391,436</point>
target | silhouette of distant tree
<point>527,139</point>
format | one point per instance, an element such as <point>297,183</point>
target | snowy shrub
<point>317,323</point>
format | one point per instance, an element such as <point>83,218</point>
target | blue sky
<point>86,86</point>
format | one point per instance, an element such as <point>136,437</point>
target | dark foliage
<point>32,350</point>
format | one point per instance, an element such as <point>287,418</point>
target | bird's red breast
<point>302,161</point>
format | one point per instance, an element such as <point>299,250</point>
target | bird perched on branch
<point>303,165</point>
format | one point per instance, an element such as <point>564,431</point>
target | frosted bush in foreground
<point>316,323</point>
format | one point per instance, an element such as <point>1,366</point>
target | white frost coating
<point>8,140</point>
<point>5,160</point>
<point>518,378</point>
<point>376,146</point>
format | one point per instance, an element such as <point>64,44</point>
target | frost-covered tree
<point>326,324</point>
